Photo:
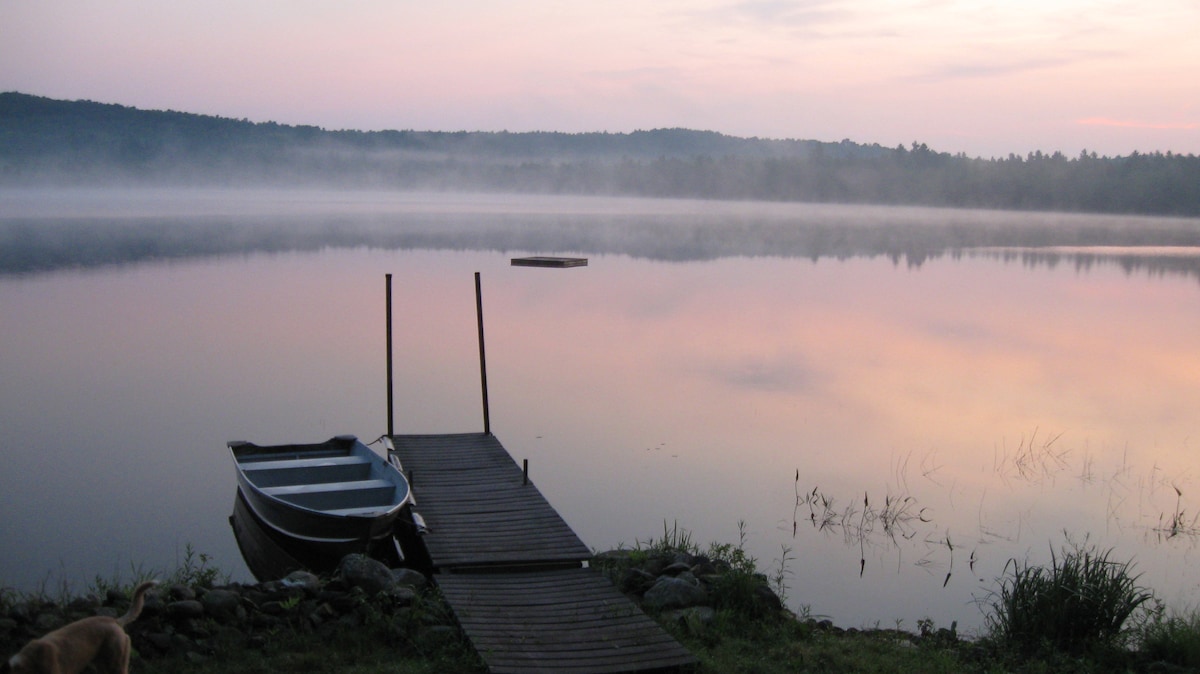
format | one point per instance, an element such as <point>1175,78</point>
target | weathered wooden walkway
<point>565,620</point>
<point>512,570</point>
<point>480,511</point>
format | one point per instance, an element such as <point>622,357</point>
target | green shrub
<point>1081,602</point>
<point>195,571</point>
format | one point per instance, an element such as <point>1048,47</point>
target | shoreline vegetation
<point>1083,613</point>
<point>45,141</point>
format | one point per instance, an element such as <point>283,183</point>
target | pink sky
<point>985,78</point>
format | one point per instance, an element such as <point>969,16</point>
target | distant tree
<point>44,140</point>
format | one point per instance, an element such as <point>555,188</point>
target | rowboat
<point>338,494</point>
<point>270,555</point>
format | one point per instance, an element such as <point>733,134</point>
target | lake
<point>884,404</point>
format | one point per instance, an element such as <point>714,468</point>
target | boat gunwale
<point>261,454</point>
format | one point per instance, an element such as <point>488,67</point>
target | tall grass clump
<point>1080,603</point>
<point>1172,638</point>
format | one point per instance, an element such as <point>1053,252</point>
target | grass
<point>1174,638</point>
<point>1080,603</point>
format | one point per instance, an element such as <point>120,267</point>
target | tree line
<point>47,141</point>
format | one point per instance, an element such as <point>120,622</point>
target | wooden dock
<point>479,508</point>
<point>513,571</point>
<point>565,620</point>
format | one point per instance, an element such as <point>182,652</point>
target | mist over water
<point>986,385</point>
<point>42,230</point>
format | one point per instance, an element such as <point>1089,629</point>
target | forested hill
<point>45,141</point>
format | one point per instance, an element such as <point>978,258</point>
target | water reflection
<point>943,417</point>
<point>47,230</point>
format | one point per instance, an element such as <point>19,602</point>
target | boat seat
<point>372,510</point>
<point>306,463</point>
<point>329,496</point>
<point>308,471</point>
<point>355,485</point>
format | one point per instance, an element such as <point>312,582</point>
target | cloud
<point>783,373</point>
<point>809,15</point>
<point>1137,124</point>
<point>982,69</point>
<point>789,12</point>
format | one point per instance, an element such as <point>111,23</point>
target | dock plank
<point>545,611</point>
<point>568,620</point>
<point>478,506</point>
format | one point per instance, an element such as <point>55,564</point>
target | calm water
<point>891,421</point>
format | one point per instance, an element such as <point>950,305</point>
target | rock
<point>684,558</point>
<point>159,641</point>
<point>340,601</point>
<point>363,572</point>
<point>410,577</point>
<point>309,582</point>
<point>180,645</point>
<point>402,595</point>
<point>258,641</point>
<point>185,609</point>
<point>265,621</point>
<point>180,592</point>
<point>696,618</point>
<point>153,604</point>
<point>619,556</point>
<point>255,596</point>
<point>350,620</point>
<point>636,581</point>
<point>321,614</point>
<point>670,593</point>
<point>655,564</point>
<point>677,568</point>
<point>223,604</point>
<point>197,628</point>
<point>686,575</point>
<point>765,597</point>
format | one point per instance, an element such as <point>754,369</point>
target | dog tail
<point>139,600</point>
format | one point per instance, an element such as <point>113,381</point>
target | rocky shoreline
<point>181,620</point>
<point>687,586</point>
<point>194,622</point>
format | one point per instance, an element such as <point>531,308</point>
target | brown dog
<point>69,649</point>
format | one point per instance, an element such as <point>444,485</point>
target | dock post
<point>487,424</point>
<point>390,427</point>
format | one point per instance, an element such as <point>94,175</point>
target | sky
<point>984,78</point>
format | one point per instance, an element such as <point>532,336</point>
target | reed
<point>1080,602</point>
<point>1178,523</point>
<point>897,519</point>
